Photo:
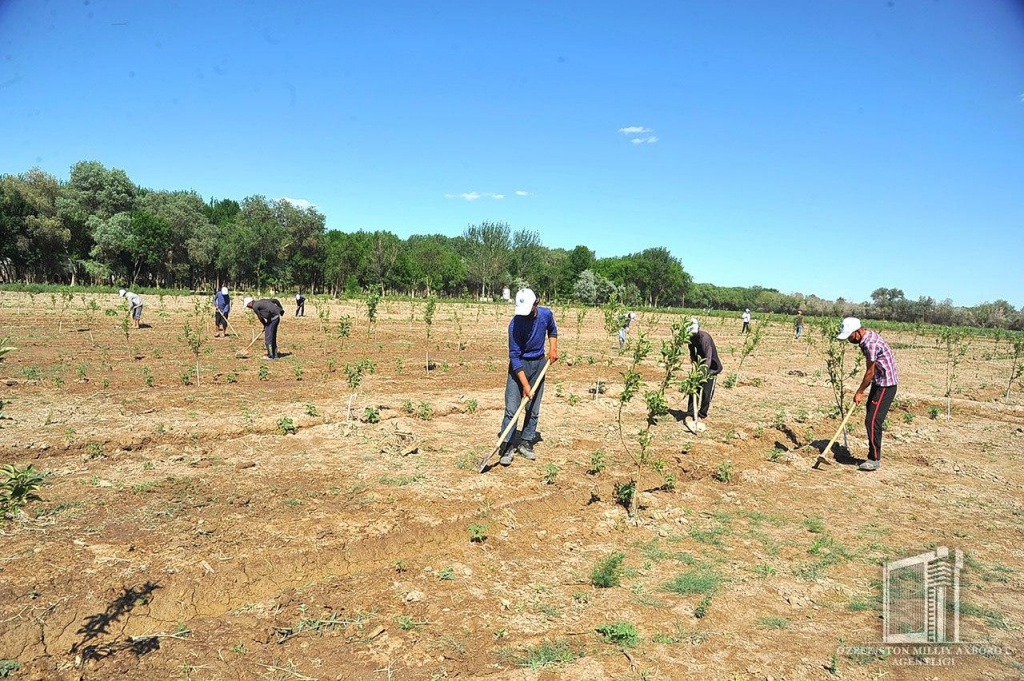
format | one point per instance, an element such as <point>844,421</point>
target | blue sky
<point>820,147</point>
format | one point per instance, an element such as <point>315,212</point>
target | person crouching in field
<point>527,332</point>
<point>134,306</point>
<point>222,307</point>
<point>269,311</point>
<point>881,375</point>
<point>702,347</point>
<point>300,305</point>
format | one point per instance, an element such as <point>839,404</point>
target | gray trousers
<point>514,395</point>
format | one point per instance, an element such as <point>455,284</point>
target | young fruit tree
<point>372,303</point>
<point>753,339</point>
<point>581,314</point>
<point>1016,365</point>
<point>428,323</point>
<point>693,385</point>
<point>954,343</point>
<point>672,352</point>
<point>193,337</point>
<point>837,367</point>
<point>5,347</point>
<point>323,313</point>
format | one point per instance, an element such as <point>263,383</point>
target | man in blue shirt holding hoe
<point>531,326</point>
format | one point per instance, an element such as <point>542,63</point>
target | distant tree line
<point>886,303</point>
<point>99,227</point>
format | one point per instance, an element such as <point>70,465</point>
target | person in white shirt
<point>134,306</point>
<point>746,321</point>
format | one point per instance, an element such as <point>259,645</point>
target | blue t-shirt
<point>223,302</point>
<point>527,336</point>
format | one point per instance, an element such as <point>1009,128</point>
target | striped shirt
<point>876,350</point>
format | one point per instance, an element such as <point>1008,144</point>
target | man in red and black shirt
<point>881,375</point>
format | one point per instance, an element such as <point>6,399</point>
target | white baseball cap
<point>224,290</point>
<point>297,296</point>
<point>525,298</point>
<point>247,301</point>
<point>850,324</point>
<point>122,293</point>
<point>694,326</point>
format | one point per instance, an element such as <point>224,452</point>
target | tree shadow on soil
<point>99,624</point>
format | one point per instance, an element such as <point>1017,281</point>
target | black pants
<point>746,327</point>
<point>879,401</point>
<point>270,336</point>
<point>705,399</point>
<point>300,309</point>
<point>222,319</point>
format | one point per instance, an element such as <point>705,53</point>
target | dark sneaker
<point>526,449</point>
<point>868,465</point>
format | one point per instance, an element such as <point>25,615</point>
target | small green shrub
<point>908,417</point>
<point>286,426</point>
<point>703,607</point>
<point>622,634</point>
<point>408,407</point>
<point>730,381</point>
<point>18,487</point>
<point>550,473</point>
<point>471,405</point>
<point>371,415</point>
<point>598,462</point>
<point>477,533</point>
<point>724,472</point>
<point>608,571</point>
<point>624,492</point>
<point>933,412</point>
<point>264,372</point>
<point>424,411</point>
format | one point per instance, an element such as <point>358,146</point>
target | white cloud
<point>474,196</point>
<point>644,140</point>
<point>520,192</point>
<point>298,203</point>
<point>634,130</point>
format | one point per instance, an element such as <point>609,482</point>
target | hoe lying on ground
<point>515,418</point>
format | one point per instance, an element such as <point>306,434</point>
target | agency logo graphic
<point>921,598</point>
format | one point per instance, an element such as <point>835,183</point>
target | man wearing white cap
<point>134,306</point>
<point>746,321</point>
<point>881,375</point>
<point>531,326</point>
<point>300,305</point>
<point>222,307</point>
<point>702,347</point>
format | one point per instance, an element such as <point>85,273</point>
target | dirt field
<point>344,550</point>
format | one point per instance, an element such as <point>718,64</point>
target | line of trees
<point>886,303</point>
<point>99,227</point>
